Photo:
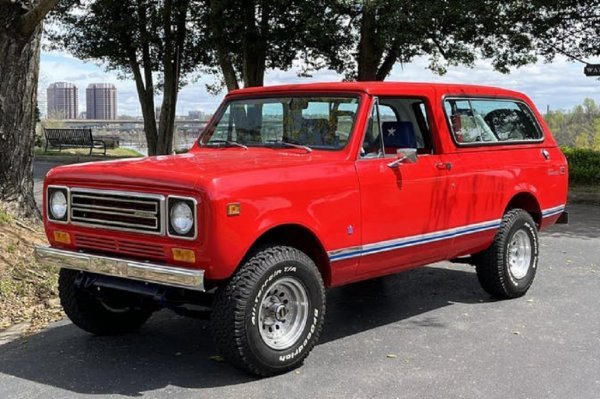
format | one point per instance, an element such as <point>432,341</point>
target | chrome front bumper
<point>117,267</point>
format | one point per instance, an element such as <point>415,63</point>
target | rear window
<point>486,121</point>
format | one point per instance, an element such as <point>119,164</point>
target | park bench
<point>72,138</point>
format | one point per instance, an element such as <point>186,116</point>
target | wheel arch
<point>299,237</point>
<point>527,201</point>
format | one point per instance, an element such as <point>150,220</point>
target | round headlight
<point>182,218</point>
<point>58,204</point>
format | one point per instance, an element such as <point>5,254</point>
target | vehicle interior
<point>404,124</point>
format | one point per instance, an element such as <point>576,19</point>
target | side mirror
<point>405,155</point>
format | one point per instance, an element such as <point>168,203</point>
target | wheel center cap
<point>280,312</point>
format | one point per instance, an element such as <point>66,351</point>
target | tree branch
<point>146,61</point>
<point>32,18</point>
<point>388,63</point>
<point>440,48</point>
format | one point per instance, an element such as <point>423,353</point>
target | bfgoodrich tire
<point>269,316</point>
<point>119,313</point>
<point>507,268</point>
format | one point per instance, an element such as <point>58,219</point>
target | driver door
<point>405,208</point>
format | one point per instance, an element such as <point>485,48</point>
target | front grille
<point>117,210</point>
<point>132,248</point>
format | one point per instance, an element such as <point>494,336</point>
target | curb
<point>14,332</point>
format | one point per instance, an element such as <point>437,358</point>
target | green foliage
<point>567,27</point>
<point>584,166</point>
<point>125,35</point>
<point>248,37</point>
<point>153,42</point>
<point>4,217</point>
<point>379,33</point>
<point>578,127</point>
<point>578,131</point>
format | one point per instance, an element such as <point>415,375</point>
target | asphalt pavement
<point>428,333</point>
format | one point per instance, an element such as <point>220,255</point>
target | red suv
<point>293,189</point>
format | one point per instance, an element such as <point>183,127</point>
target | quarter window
<point>484,121</point>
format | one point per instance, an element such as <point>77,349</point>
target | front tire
<point>507,268</point>
<point>119,313</point>
<point>269,316</point>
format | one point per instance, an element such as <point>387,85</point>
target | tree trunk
<point>145,83</point>
<point>166,125</point>
<point>368,59</point>
<point>149,115</point>
<point>227,68</point>
<point>215,18</point>
<point>175,32</point>
<point>388,63</point>
<point>253,43</point>
<point>146,96</point>
<point>19,68</point>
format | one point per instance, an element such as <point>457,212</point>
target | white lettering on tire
<point>299,349</point>
<point>260,292</point>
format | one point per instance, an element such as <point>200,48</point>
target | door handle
<point>546,154</point>
<point>443,165</point>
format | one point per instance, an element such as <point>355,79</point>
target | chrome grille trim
<point>124,212</point>
<point>133,248</point>
<point>111,223</point>
<point>116,200</point>
<point>148,220</point>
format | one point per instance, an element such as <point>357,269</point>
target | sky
<point>558,85</point>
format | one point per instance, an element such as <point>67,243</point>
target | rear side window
<point>482,121</point>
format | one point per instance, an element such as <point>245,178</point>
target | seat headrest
<point>316,124</point>
<point>398,135</point>
<point>313,131</point>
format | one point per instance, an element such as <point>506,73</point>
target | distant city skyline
<point>559,85</point>
<point>62,100</point>
<point>101,101</point>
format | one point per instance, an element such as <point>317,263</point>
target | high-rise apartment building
<point>101,101</point>
<point>62,100</point>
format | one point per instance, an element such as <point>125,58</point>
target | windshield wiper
<point>288,144</point>
<point>227,143</point>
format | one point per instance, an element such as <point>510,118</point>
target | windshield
<point>320,122</point>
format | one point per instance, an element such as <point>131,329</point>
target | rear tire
<point>269,316</point>
<point>122,313</point>
<point>507,268</point>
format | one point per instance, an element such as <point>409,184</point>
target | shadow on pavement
<point>171,350</point>
<point>362,306</point>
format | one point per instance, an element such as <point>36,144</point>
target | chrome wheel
<point>519,254</point>
<point>283,313</point>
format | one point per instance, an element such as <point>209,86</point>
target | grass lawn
<point>84,152</point>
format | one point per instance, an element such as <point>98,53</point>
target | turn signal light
<point>184,255</point>
<point>61,236</point>
<point>234,209</point>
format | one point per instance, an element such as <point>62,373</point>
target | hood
<point>192,170</point>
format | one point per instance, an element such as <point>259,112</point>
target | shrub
<point>584,165</point>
